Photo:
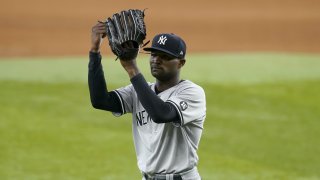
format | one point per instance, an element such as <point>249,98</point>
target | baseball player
<point>167,115</point>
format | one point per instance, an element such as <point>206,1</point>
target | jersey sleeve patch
<point>190,103</point>
<point>183,105</point>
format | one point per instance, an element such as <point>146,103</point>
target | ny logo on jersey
<point>183,105</point>
<point>162,40</point>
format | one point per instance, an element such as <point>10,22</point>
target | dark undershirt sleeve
<point>99,95</point>
<point>159,111</point>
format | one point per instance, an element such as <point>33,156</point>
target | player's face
<point>164,66</point>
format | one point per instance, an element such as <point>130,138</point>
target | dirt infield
<point>45,27</point>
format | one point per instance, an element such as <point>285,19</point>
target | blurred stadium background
<point>258,62</point>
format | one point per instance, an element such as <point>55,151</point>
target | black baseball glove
<point>126,31</point>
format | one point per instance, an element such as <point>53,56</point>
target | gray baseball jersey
<point>167,147</point>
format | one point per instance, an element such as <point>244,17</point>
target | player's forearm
<point>159,111</point>
<point>133,72</point>
<point>99,95</point>
<point>96,81</point>
<point>131,67</point>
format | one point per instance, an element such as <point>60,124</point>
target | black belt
<point>161,177</point>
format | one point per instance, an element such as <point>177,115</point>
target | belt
<point>162,177</point>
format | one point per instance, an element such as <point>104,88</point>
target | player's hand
<point>130,65</point>
<point>97,34</point>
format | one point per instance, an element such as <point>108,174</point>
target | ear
<point>181,63</point>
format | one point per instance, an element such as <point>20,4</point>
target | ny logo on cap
<point>162,40</point>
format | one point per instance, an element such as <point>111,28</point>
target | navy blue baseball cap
<point>170,44</point>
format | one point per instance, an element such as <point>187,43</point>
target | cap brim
<point>159,49</point>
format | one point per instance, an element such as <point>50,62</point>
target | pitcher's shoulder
<point>189,85</point>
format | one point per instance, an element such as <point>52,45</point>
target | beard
<point>163,76</point>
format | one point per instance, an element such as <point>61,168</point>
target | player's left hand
<point>130,65</point>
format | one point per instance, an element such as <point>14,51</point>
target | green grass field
<point>263,119</point>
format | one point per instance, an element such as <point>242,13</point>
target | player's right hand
<point>97,34</point>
